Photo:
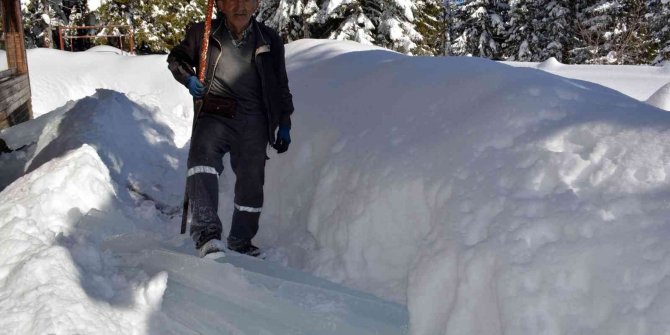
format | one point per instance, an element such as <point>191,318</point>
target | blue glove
<point>283,139</point>
<point>195,87</point>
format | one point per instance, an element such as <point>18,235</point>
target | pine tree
<point>523,39</point>
<point>659,20</point>
<point>293,19</point>
<point>396,29</point>
<point>633,42</point>
<point>267,9</point>
<point>158,25</point>
<point>596,25</point>
<point>434,21</point>
<point>556,30</point>
<point>480,28</point>
<point>430,25</point>
<point>36,25</point>
<point>42,17</point>
<point>615,32</point>
<point>387,23</point>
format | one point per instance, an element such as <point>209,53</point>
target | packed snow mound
<point>306,52</point>
<point>661,98</point>
<point>478,191</point>
<point>57,77</point>
<point>550,64</point>
<point>126,135</point>
<point>108,49</point>
<point>55,281</point>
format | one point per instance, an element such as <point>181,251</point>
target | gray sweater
<point>236,75</point>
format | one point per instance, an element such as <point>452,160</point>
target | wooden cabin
<point>15,104</point>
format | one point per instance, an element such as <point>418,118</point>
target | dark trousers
<point>245,138</point>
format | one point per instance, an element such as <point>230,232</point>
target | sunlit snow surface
<point>488,199</point>
<point>638,81</point>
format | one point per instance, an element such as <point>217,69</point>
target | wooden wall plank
<point>5,74</point>
<point>14,86</point>
<point>9,106</point>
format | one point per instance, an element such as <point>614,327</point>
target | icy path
<point>238,294</point>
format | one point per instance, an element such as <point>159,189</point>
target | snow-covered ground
<point>486,198</point>
<point>644,83</point>
<point>108,49</point>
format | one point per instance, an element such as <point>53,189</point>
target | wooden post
<point>16,49</point>
<point>15,104</point>
<point>60,37</point>
<point>132,43</point>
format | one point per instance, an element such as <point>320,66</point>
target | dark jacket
<point>269,59</point>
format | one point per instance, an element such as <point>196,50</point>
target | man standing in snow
<point>246,98</point>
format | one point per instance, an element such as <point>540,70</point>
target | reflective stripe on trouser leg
<point>245,222</point>
<point>202,169</point>
<point>248,209</point>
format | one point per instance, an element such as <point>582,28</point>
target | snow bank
<point>491,199</point>
<point>138,150</point>
<point>661,98</point>
<point>637,81</point>
<point>550,64</point>
<point>108,49</point>
<point>57,77</point>
<point>80,161</point>
<point>53,277</point>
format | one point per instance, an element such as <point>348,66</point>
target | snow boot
<point>212,246</point>
<point>243,247</point>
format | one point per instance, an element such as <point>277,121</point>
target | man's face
<point>237,12</point>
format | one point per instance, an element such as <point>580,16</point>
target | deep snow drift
<point>494,199</point>
<point>490,199</point>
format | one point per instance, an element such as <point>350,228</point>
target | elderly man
<point>245,99</point>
